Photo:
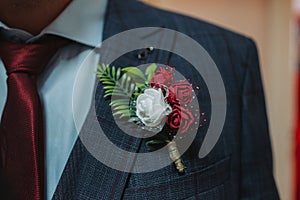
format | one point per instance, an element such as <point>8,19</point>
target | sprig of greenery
<point>121,87</point>
<point>113,85</point>
<point>126,84</point>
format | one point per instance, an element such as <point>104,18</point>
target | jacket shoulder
<point>229,50</point>
<point>190,25</point>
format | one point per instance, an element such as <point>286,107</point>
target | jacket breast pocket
<point>205,183</point>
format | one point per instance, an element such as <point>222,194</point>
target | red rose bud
<point>183,91</point>
<point>161,77</point>
<point>171,99</point>
<point>180,118</point>
<point>174,118</point>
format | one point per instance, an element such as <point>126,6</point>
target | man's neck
<point>30,15</point>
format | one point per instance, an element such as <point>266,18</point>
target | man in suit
<point>239,166</point>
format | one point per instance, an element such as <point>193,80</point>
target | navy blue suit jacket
<point>240,165</point>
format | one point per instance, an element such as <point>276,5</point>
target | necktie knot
<point>29,58</point>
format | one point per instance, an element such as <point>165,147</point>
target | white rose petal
<point>152,108</point>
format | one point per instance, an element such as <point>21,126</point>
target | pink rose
<point>161,77</point>
<point>183,91</point>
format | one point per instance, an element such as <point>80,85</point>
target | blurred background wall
<point>272,24</point>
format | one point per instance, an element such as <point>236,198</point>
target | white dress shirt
<point>69,75</point>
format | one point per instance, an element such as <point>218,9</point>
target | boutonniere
<point>152,99</point>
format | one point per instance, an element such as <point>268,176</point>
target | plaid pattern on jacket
<point>240,165</point>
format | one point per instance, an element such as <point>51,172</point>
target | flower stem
<point>175,156</point>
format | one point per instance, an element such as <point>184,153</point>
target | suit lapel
<point>84,176</point>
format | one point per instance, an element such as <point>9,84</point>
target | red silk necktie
<point>22,128</point>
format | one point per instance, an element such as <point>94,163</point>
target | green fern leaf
<point>121,107</point>
<point>124,87</point>
<point>118,102</point>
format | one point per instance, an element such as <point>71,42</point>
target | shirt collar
<point>81,21</point>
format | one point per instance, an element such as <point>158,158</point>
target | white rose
<point>151,107</point>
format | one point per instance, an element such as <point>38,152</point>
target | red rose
<point>171,99</point>
<point>183,91</point>
<point>162,77</point>
<point>180,118</point>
